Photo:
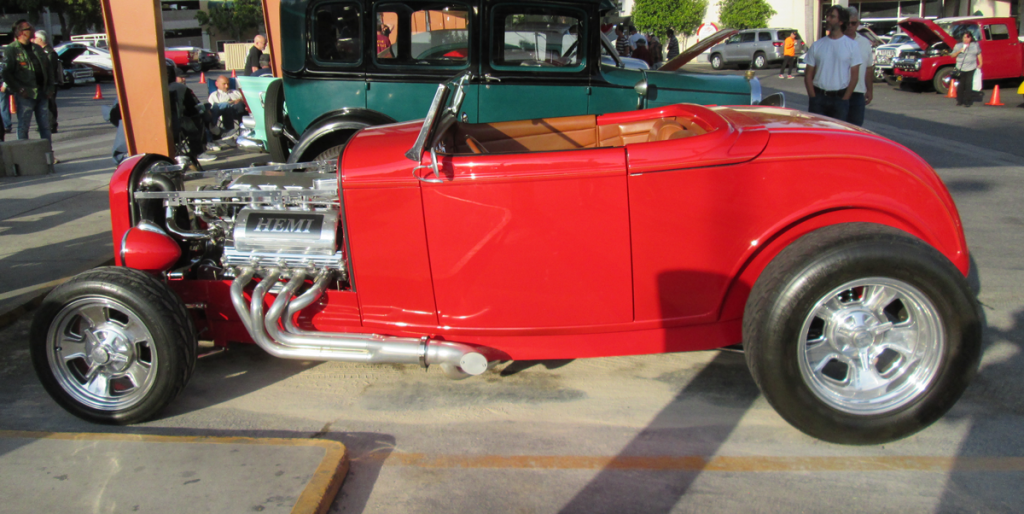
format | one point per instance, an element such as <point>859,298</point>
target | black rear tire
<point>716,61</point>
<point>779,320</point>
<point>760,61</point>
<point>113,345</point>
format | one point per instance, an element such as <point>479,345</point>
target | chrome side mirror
<point>641,90</point>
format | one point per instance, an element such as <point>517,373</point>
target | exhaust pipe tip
<point>473,363</point>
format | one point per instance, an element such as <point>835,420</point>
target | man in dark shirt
<point>56,70</point>
<point>672,47</point>
<point>28,77</point>
<point>642,52</point>
<point>252,61</point>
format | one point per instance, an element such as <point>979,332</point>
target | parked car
<point>96,59</point>
<point>207,60</point>
<point>885,54</point>
<point>524,51</point>
<point>674,228</point>
<point>932,64</point>
<point>754,47</point>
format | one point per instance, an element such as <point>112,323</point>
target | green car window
<point>552,38</point>
<point>422,34</point>
<point>336,33</point>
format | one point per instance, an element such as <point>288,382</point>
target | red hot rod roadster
<point>835,256</point>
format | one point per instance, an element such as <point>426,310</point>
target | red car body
<point>646,247</point>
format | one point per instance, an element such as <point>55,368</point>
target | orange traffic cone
<point>99,93</point>
<point>202,77</point>
<point>232,73</point>
<point>951,92</point>
<point>995,97</point>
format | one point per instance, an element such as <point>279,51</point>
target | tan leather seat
<point>665,129</point>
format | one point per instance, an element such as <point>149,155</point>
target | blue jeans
<point>858,104</point>
<point>228,113</point>
<point>27,107</point>
<point>5,110</point>
<point>831,106</point>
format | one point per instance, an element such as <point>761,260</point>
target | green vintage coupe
<point>349,64</point>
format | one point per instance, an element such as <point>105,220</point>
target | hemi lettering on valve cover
<point>303,226</point>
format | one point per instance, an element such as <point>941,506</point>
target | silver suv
<point>755,46</point>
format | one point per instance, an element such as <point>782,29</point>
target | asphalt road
<point>647,434</point>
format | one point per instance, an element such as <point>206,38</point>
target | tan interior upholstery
<point>569,133</point>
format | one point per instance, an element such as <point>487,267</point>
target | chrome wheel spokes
<point>101,353</point>
<point>871,345</point>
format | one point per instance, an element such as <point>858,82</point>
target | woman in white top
<point>968,59</point>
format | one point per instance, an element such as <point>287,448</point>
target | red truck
<point>184,60</point>
<point>1001,50</point>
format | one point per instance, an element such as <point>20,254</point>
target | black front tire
<point>798,357</point>
<point>716,61</point>
<point>279,147</point>
<point>113,345</point>
<point>937,80</point>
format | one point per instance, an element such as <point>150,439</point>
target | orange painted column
<point>272,20</point>
<point>135,34</point>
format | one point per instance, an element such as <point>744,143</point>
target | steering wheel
<point>474,145</point>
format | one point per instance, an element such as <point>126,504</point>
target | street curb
<point>8,318</point>
<point>316,497</point>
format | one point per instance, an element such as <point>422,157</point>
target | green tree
<point>235,17</point>
<point>75,16</point>
<point>657,16</point>
<point>744,14</point>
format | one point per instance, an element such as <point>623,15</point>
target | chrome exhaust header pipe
<point>456,359</point>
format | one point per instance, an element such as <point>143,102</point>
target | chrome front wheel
<point>113,345</point>
<point>102,354</point>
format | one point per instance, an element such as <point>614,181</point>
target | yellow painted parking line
<point>731,464</point>
<point>316,497</point>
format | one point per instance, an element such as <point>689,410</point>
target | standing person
<point>673,45</point>
<point>654,46</point>
<point>28,77</point>
<point>5,110</point>
<point>56,70</point>
<point>968,59</point>
<point>622,43</point>
<point>634,36</point>
<point>865,90</point>
<point>833,68</point>
<point>252,61</point>
<point>788,56</point>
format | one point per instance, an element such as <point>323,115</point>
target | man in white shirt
<point>833,68</point>
<point>865,90</point>
<point>635,36</point>
<point>226,105</point>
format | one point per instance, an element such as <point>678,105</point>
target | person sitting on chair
<point>226,105</point>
